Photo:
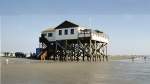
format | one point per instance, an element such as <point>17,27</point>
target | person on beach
<point>6,61</point>
<point>145,58</point>
<point>132,59</point>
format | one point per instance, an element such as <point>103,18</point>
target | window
<point>66,32</point>
<point>60,32</point>
<point>72,31</point>
<point>50,34</point>
<point>43,35</point>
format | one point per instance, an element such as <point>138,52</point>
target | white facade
<point>49,38</point>
<point>73,33</point>
<point>69,35</point>
<point>99,37</point>
<point>55,35</point>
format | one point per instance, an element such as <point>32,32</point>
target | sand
<point>47,73</point>
<point>33,72</point>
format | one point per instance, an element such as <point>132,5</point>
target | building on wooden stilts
<point>72,42</point>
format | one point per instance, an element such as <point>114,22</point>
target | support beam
<point>79,49</point>
<point>106,54</point>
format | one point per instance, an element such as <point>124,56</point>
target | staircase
<point>45,45</point>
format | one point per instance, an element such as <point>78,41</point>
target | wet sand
<point>33,72</point>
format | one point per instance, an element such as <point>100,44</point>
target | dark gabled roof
<point>66,24</point>
<point>98,31</point>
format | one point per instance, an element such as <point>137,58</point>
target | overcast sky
<point>127,22</point>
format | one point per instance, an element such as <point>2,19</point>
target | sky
<point>127,22</point>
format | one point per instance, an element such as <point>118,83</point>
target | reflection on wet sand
<point>114,72</point>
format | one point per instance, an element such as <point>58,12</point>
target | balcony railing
<point>89,32</point>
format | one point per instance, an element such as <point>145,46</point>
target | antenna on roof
<point>90,22</point>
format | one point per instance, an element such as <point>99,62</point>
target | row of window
<point>66,32</point>
<point>60,32</point>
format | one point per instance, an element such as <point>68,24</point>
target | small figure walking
<point>6,61</point>
<point>132,59</point>
<point>145,58</point>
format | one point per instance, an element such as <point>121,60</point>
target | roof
<point>98,31</point>
<point>49,30</point>
<point>66,24</point>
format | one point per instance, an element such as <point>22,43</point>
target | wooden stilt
<point>106,54</point>
<point>82,48</point>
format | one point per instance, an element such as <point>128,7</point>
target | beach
<point>26,71</point>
